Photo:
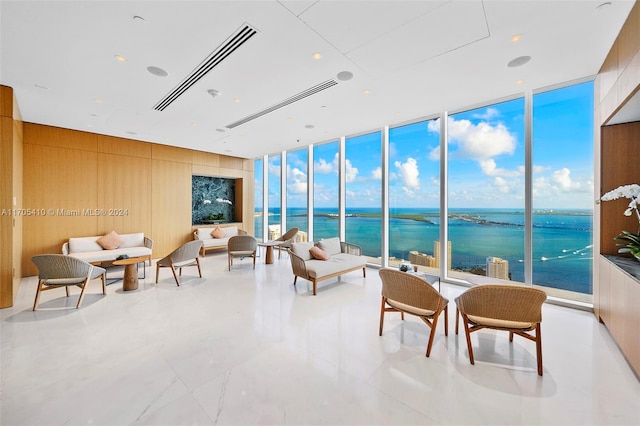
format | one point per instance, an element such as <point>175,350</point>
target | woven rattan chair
<point>407,293</point>
<point>287,239</point>
<point>58,270</point>
<point>515,309</point>
<point>183,256</point>
<point>242,246</point>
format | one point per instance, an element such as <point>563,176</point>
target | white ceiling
<point>415,58</point>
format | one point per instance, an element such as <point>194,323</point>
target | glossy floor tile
<point>247,347</point>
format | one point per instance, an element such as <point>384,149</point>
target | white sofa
<point>343,258</point>
<point>210,243</point>
<point>87,249</point>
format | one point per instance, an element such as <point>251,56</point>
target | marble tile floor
<point>246,347</point>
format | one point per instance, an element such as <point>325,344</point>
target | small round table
<point>130,280</point>
<point>268,258</point>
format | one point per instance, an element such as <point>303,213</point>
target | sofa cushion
<point>330,245</point>
<point>106,255</point>
<point>83,244</point>
<point>230,231</point>
<point>215,242</point>
<point>110,241</point>
<point>302,249</point>
<point>204,234</point>
<point>339,262</point>
<point>318,253</point>
<point>218,233</point>
<point>132,240</point>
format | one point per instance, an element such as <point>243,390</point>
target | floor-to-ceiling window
<point>563,189</point>
<point>325,191</point>
<point>258,198</point>
<point>363,193</point>
<point>275,191</point>
<point>486,190</point>
<point>297,170</point>
<point>414,195</point>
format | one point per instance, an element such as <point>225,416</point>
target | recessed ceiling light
<point>99,101</point>
<point>289,119</point>
<point>344,75</point>
<point>519,81</point>
<point>236,100</point>
<point>323,107</point>
<point>397,112</point>
<point>93,115</point>
<point>120,58</point>
<point>194,124</point>
<point>157,71</point>
<point>317,55</point>
<point>366,91</point>
<point>309,126</point>
<point>519,61</point>
<point>213,92</point>
<point>516,37</point>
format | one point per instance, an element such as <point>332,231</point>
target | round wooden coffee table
<point>130,280</point>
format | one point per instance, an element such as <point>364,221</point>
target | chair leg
<point>466,331</point>
<point>382,314</point>
<point>199,270</point>
<point>230,261</point>
<point>511,336</point>
<point>254,261</point>
<point>364,272</point>
<point>66,288</point>
<point>446,320</point>
<point>315,286</point>
<point>174,275</point>
<point>35,302</point>
<point>157,271</point>
<point>539,348</point>
<point>104,283</point>
<point>432,334</point>
<point>84,287</point>
<point>295,278</point>
<point>457,319</point>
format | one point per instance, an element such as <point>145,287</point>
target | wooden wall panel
<point>124,194</point>
<point>171,153</point>
<point>201,170</point>
<point>234,163</point>
<point>248,191</point>
<point>61,183</point>
<point>628,39</point>
<point>6,102</point>
<point>36,134</point>
<point>620,151</point>
<point>6,204</point>
<point>18,157</point>
<point>171,205</point>
<point>205,159</point>
<point>128,147</point>
<point>236,173</point>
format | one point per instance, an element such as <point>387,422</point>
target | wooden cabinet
<point>620,304</point>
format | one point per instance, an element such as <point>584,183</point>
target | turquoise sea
<point>562,239</point>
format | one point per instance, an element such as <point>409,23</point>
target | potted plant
<point>630,242</point>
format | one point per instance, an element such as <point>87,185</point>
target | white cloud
<point>377,173</point>
<point>480,141</point>
<point>297,181</point>
<point>562,178</point>
<point>321,166</point>
<point>434,154</point>
<point>408,172</point>
<point>489,168</point>
<point>350,172</point>
<point>488,114</point>
<point>274,169</point>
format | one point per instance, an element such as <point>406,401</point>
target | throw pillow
<point>218,233</point>
<point>318,253</point>
<point>110,241</point>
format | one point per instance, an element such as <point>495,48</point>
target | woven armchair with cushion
<point>287,240</point>
<point>242,246</point>
<point>183,256</point>
<point>59,270</point>
<point>408,293</point>
<point>515,309</point>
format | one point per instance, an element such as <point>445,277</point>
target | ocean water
<point>562,240</point>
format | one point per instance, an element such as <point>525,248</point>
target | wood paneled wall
<point>6,196</point>
<point>134,186</point>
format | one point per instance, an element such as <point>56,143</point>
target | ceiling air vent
<point>237,39</point>
<point>311,91</point>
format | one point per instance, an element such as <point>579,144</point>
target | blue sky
<point>486,159</point>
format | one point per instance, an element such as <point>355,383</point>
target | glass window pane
<point>297,192</point>
<point>257,199</point>
<point>563,191</point>
<point>325,191</point>
<point>274,197</point>
<point>486,191</point>
<point>363,223</point>
<point>414,195</point>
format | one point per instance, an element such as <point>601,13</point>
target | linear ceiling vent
<point>237,39</point>
<point>311,91</point>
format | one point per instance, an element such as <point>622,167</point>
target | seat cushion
<point>302,249</point>
<point>337,263</point>
<point>492,322</point>
<point>105,255</point>
<point>410,309</point>
<point>330,246</point>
